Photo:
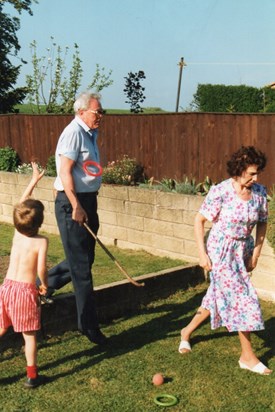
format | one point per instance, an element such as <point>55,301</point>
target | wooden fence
<point>168,145</point>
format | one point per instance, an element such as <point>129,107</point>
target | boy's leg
<point>2,331</point>
<point>33,380</point>
<point>30,348</point>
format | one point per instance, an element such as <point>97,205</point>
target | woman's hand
<point>251,263</point>
<point>205,262</point>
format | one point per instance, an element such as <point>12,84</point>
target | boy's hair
<point>28,216</point>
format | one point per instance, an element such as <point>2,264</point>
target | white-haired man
<point>75,204</point>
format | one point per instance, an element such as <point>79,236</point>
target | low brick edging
<point>120,298</point>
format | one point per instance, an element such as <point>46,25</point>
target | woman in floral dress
<point>234,207</point>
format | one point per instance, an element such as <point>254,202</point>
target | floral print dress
<point>231,298</point>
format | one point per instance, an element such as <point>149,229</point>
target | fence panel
<point>170,145</point>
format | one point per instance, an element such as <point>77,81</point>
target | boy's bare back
<point>29,249</point>
<point>27,258</point>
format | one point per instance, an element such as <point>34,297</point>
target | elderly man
<point>75,204</point>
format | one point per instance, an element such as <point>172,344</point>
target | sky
<point>227,42</point>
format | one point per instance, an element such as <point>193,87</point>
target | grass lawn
<point>104,270</point>
<point>117,378</point>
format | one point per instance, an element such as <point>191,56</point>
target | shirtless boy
<point>19,296</point>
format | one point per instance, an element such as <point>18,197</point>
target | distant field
<point>28,109</point>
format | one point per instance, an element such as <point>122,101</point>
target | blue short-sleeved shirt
<point>78,143</point>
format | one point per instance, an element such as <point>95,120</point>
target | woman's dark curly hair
<point>243,158</point>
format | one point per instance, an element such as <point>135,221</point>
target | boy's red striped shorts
<point>19,306</point>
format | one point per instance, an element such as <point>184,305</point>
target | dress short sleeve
<point>212,204</point>
<point>263,210</point>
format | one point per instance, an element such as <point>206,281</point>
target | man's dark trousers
<point>79,248</point>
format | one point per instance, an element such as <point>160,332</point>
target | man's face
<point>92,117</point>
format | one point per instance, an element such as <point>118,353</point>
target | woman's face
<point>249,176</point>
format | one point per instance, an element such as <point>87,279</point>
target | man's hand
<point>79,215</point>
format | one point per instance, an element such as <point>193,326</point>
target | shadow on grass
<point>172,317</point>
<point>127,341</point>
<point>158,328</point>
<point>268,338</point>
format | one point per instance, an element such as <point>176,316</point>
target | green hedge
<point>222,98</point>
<point>271,220</point>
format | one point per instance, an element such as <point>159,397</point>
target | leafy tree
<point>100,79</point>
<point>9,46</point>
<point>49,72</point>
<point>20,5</point>
<point>51,69</point>
<point>269,100</point>
<point>134,91</point>
<point>221,98</point>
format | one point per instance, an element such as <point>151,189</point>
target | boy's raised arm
<point>36,176</point>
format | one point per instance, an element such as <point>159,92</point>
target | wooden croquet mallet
<point>112,257</point>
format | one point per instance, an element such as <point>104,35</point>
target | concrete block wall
<point>12,185</point>
<point>158,222</point>
<point>134,218</point>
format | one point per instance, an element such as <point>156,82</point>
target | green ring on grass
<point>171,400</point>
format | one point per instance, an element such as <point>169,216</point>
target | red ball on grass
<point>158,379</point>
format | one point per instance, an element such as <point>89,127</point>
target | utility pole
<point>181,64</point>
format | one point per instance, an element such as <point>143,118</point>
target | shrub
<point>8,159</point>
<point>125,171</point>
<point>26,168</point>
<point>51,167</point>
<point>171,185</point>
<point>271,219</point>
<point>187,187</point>
<point>204,187</point>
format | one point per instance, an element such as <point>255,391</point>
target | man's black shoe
<point>95,336</point>
<point>45,300</point>
<point>33,383</point>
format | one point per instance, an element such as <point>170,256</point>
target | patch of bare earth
<point>4,263</point>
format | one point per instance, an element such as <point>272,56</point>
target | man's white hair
<point>83,100</point>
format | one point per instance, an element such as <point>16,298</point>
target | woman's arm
<point>204,260</point>
<point>260,237</point>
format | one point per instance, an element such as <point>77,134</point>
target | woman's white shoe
<point>258,368</point>
<point>184,344</point>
